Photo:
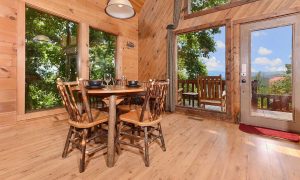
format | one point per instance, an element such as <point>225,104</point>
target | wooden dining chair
<point>148,118</point>
<point>132,102</point>
<point>80,120</point>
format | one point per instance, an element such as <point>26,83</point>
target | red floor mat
<point>269,132</point>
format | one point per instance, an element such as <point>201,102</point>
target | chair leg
<point>118,147</point>
<point>132,134</point>
<point>146,153</point>
<point>161,136</point>
<point>83,148</point>
<point>66,148</point>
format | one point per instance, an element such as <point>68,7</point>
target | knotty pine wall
<point>156,15</point>
<point>85,12</point>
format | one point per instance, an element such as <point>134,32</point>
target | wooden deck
<point>196,149</point>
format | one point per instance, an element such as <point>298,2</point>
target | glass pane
<point>202,55</point>
<point>271,72</point>
<point>102,53</point>
<point>198,5</point>
<point>51,52</point>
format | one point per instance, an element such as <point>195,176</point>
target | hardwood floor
<point>196,149</point>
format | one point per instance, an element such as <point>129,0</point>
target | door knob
<point>244,81</point>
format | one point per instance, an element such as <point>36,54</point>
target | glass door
<point>269,76</point>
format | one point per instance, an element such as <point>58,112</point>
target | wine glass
<point>107,78</point>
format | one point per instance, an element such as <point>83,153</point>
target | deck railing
<point>281,103</point>
<point>187,85</point>
<point>191,85</point>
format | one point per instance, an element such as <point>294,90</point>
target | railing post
<point>254,99</point>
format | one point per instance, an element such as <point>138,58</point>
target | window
<point>202,55</point>
<point>102,53</point>
<point>201,7</point>
<point>271,72</point>
<point>51,52</point>
<point>198,5</point>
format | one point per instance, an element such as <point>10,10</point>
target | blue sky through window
<point>271,49</point>
<point>215,64</point>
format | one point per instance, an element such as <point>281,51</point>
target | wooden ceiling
<point>137,4</point>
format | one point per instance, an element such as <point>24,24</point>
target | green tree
<point>197,5</point>
<point>102,53</point>
<point>193,48</point>
<point>262,84</point>
<point>47,60</point>
<point>284,86</point>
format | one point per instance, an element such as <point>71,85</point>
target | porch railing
<point>281,103</point>
<point>187,85</point>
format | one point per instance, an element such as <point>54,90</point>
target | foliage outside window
<point>51,52</point>
<point>102,53</point>
<point>201,53</point>
<point>198,5</point>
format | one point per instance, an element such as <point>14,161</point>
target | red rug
<point>269,132</point>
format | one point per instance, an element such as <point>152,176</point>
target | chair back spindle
<point>85,99</point>
<point>66,91</point>
<point>154,100</point>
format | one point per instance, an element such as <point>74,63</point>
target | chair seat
<point>134,117</point>
<point>126,108</point>
<point>211,101</point>
<point>98,116</point>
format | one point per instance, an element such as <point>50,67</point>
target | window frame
<point>188,14</point>
<point>77,55</point>
<point>83,57</point>
<point>228,65</point>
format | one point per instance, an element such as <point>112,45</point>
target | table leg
<point>111,131</point>
<point>193,99</point>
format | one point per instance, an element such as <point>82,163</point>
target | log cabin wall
<point>12,45</point>
<point>156,15</point>
<point>8,61</point>
<point>153,20</point>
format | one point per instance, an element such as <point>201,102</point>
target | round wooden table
<point>112,92</point>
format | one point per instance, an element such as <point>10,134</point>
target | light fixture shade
<point>42,38</point>
<point>121,9</point>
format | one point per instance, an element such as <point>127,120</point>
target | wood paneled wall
<point>153,21</point>
<point>86,13</point>
<point>8,61</point>
<point>155,16</point>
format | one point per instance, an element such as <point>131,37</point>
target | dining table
<point>113,92</point>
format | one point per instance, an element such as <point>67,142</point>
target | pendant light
<point>121,9</point>
<point>42,38</point>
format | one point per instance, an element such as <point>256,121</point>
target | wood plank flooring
<point>196,149</point>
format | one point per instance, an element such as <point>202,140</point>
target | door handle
<point>244,81</point>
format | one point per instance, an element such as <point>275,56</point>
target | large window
<point>201,69</point>
<point>102,53</point>
<point>51,52</point>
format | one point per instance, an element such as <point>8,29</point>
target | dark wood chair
<point>211,91</point>
<point>132,102</point>
<point>81,119</point>
<point>147,118</point>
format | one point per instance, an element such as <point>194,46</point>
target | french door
<point>270,73</point>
